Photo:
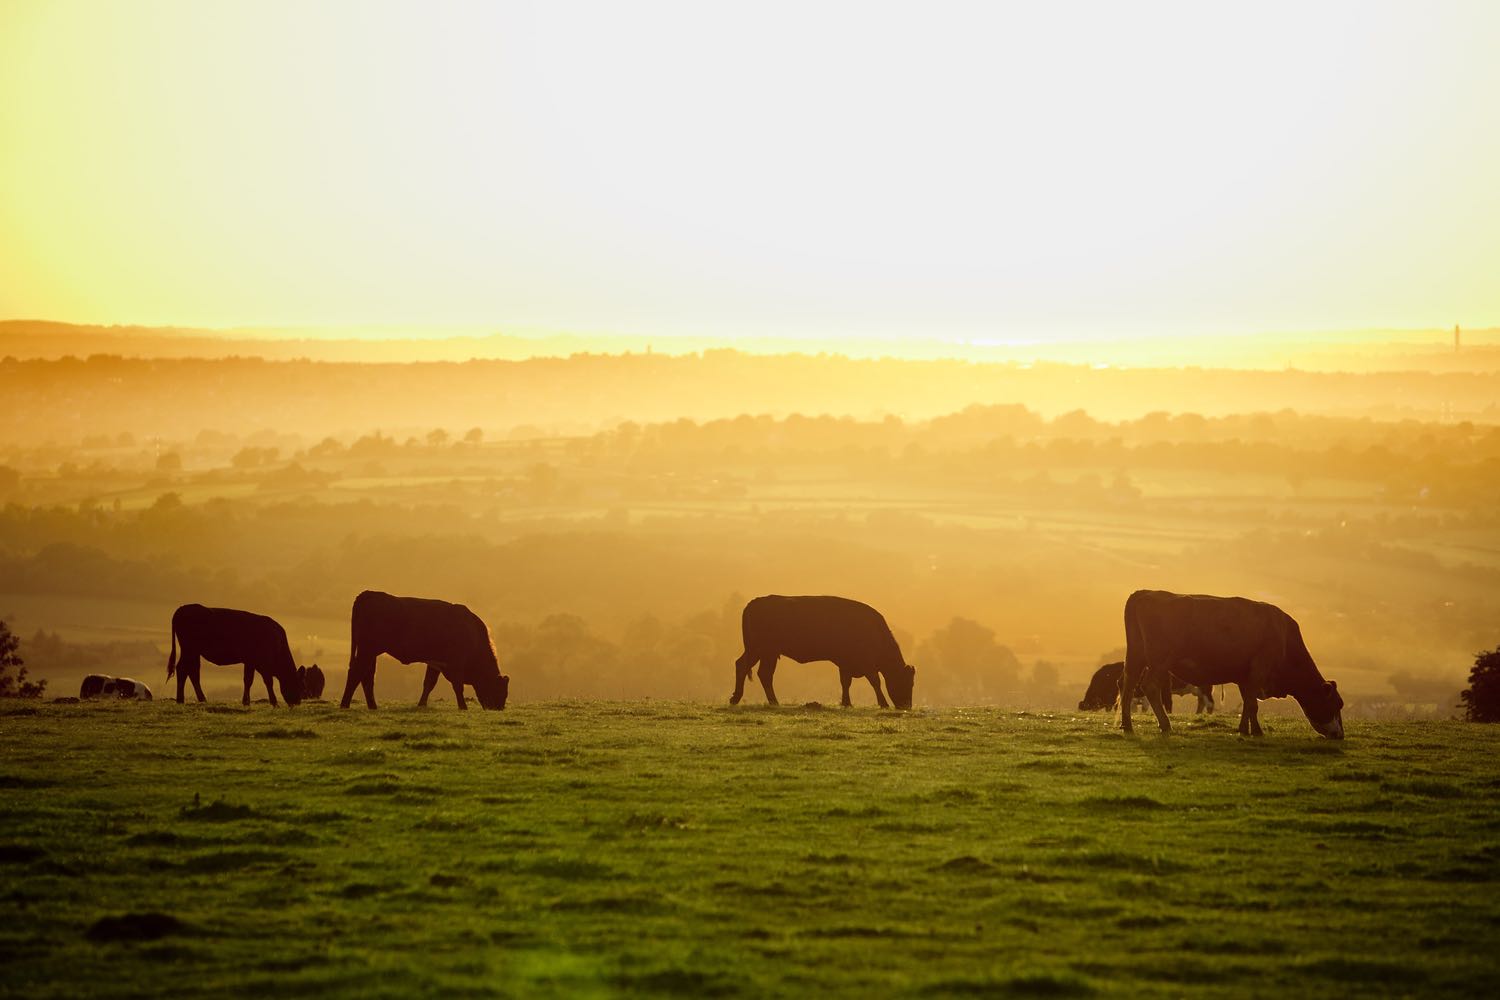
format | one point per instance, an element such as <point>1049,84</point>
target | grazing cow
<point>1223,640</point>
<point>313,681</point>
<point>449,638</point>
<point>226,636</point>
<point>1104,691</point>
<point>852,635</point>
<point>100,686</point>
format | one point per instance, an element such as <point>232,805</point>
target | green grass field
<point>686,850</point>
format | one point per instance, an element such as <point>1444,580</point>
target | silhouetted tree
<point>15,686</point>
<point>1481,699</point>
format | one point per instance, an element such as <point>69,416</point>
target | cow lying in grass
<point>100,686</point>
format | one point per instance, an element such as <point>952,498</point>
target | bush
<point>17,686</point>
<point>1481,699</point>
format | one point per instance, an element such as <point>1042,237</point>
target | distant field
<point>665,849</point>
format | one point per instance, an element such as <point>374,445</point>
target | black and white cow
<point>100,686</point>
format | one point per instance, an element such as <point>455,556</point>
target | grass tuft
<point>217,811</point>
<point>135,927</point>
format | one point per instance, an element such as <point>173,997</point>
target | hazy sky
<point>981,170</point>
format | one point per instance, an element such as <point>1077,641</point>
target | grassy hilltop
<point>578,849</point>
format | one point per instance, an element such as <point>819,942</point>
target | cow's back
<point>228,635</point>
<point>418,629</point>
<point>1205,639</point>
<point>819,628</point>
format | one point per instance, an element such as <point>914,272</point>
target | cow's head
<point>312,681</point>
<point>291,686</point>
<point>1324,710</point>
<point>899,682</point>
<point>493,690</point>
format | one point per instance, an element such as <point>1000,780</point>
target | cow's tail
<point>172,656</point>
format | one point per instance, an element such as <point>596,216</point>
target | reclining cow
<point>225,636</point>
<point>102,686</point>
<point>1104,691</point>
<point>1222,640</point>
<point>852,635</point>
<point>449,638</point>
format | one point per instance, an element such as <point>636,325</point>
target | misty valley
<point>612,562</point>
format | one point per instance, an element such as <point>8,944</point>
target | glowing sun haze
<point>806,169</point>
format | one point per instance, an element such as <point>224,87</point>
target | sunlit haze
<point>988,171</point>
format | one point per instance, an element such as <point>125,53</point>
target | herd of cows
<point>1174,643</point>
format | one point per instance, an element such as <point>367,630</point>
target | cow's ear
<point>1333,686</point>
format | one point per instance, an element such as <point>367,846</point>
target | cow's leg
<point>742,668</point>
<point>874,678</point>
<point>197,677</point>
<point>182,671</point>
<point>767,673</point>
<point>1249,712</point>
<point>265,675</point>
<point>361,672</point>
<point>1154,699</point>
<point>429,681</point>
<point>458,694</point>
<point>1129,678</point>
<point>845,678</point>
<point>367,681</point>
<point>249,679</point>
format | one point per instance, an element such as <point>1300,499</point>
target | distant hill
<point>176,398</point>
<point>1393,350</point>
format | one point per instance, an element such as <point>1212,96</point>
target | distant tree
<point>324,448</point>
<point>474,435</point>
<point>1481,699</point>
<point>16,686</point>
<point>169,461</point>
<point>251,457</point>
<point>437,437</point>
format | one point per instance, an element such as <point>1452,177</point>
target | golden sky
<point>961,170</point>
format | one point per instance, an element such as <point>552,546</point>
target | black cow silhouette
<point>226,636</point>
<point>852,635</point>
<point>449,638</point>
<point>1223,640</point>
